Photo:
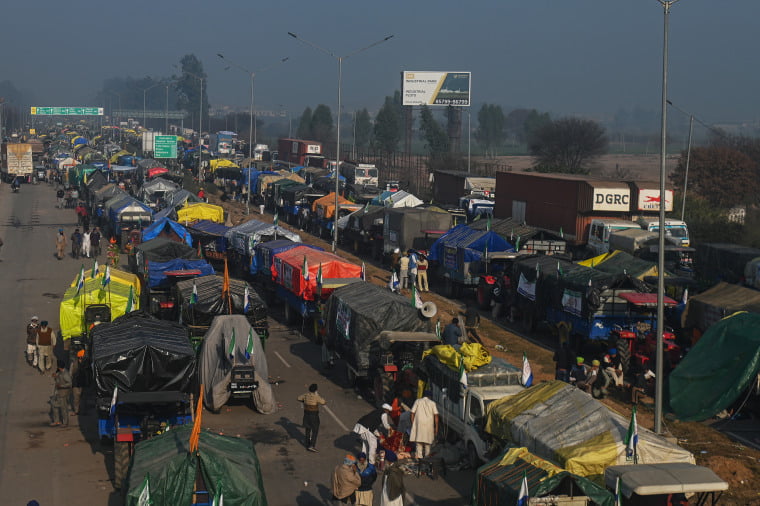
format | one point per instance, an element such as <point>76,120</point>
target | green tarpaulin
<point>222,461</point>
<point>718,369</point>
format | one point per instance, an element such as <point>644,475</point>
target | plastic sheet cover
<point>231,462</point>
<point>404,227</point>
<point>261,262</point>
<point>718,370</point>
<point>287,271</point>
<point>200,211</point>
<point>724,299</point>
<point>215,363</point>
<point>357,313</point>
<point>74,303</point>
<point>470,241</point>
<point>140,353</point>
<point>244,237</point>
<point>722,261</point>
<point>167,229</point>
<point>562,424</point>
<point>157,270</point>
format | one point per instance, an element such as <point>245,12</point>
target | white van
<point>676,229</point>
<point>600,230</point>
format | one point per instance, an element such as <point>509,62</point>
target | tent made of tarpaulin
<point>179,197</point>
<point>79,174</point>
<point>565,425</point>
<point>261,261</point>
<point>716,262</point>
<point>288,267</point>
<point>512,230</point>
<point>463,244</point>
<point>150,163</point>
<point>413,227</point>
<point>265,180</point>
<point>157,270</point>
<point>158,184</point>
<point>200,211</point>
<point>123,277</point>
<point>159,249</point>
<point>96,181</point>
<point>356,314</point>
<point>219,353</point>
<point>140,353</point>
<point>210,235</point>
<point>115,157</point>
<point>499,481</point>
<point>365,218</point>
<point>211,303</point>
<point>166,228</point>
<point>221,162</point>
<point>243,238</point>
<point>324,207</point>
<point>705,309</point>
<point>121,206</point>
<point>75,302</point>
<point>620,263</point>
<point>222,461</point>
<point>156,172</point>
<point>253,175</point>
<point>724,362</point>
<point>397,199</point>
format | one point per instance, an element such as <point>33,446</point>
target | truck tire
<point>624,353</point>
<point>472,456</point>
<point>120,463</point>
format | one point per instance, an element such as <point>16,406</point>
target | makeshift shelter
<point>140,353</point>
<point>620,263</point>
<point>123,208</point>
<point>357,313</point>
<point>264,181</point>
<point>217,163</point>
<point>157,187</point>
<point>200,211</point>
<point>210,302</point>
<point>120,276</point>
<point>565,425</point>
<point>106,193</point>
<point>463,244</point>
<point>261,260</point>
<point>114,159</point>
<point>716,262</point>
<point>160,255</point>
<point>707,308</point>
<point>217,361</point>
<point>168,229</point>
<point>179,198</point>
<point>288,271</point>
<point>210,236</point>
<point>499,481</point>
<point>244,237</point>
<point>399,198</point>
<point>324,207</point>
<point>718,370</point>
<point>173,470</point>
<point>654,483</point>
<point>74,303</point>
<point>413,227</point>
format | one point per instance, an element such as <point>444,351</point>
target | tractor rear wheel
<point>624,354</point>
<point>120,463</point>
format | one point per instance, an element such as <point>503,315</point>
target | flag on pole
<point>319,275</point>
<point>527,372</point>
<point>523,497</point>
<point>246,300</point>
<point>618,493</point>
<point>305,269</point>
<point>685,297</point>
<point>632,438</point>
<point>438,330</point>
<point>194,295</point>
<point>517,244</point>
<point>115,396</point>
<point>488,222</point>
<point>218,497</point>
<point>249,345</point>
<point>231,349</point>
<point>276,219</point>
<point>226,281</point>
<point>107,276</point>
<point>94,272</point>
<point>364,272</point>
<point>561,233</point>
<point>416,300</point>
<point>462,372</point>
<point>80,279</point>
<point>131,301</point>
<point>485,251</point>
<point>559,269</point>
<point>144,498</point>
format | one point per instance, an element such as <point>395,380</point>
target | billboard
<point>649,200</point>
<point>436,88</point>
<point>612,199</point>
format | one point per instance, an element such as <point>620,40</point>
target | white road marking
<point>329,412</point>
<point>283,360</point>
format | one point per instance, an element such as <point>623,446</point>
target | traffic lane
<point>32,283</point>
<point>293,475</point>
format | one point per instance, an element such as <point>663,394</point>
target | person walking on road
<point>60,244</point>
<point>95,242</point>
<point>424,425</point>
<point>46,340</point>
<point>472,322</point>
<point>31,341</point>
<point>60,400</point>
<point>86,243</point>
<point>60,194</point>
<point>345,481</point>
<point>79,380</point>
<point>76,243</point>
<point>368,475</point>
<point>311,402</point>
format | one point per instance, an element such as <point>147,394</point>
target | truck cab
<point>676,229</point>
<point>600,230</point>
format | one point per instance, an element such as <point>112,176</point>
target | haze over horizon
<point>589,58</point>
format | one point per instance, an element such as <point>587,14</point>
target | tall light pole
<point>145,94</point>
<point>337,147</point>
<point>666,4</point>
<point>252,139</point>
<point>200,120</point>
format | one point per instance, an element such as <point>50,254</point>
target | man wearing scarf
<point>345,481</point>
<point>393,487</point>
<point>368,475</point>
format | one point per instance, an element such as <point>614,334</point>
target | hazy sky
<point>589,57</point>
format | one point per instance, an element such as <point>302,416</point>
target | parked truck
<point>359,173</point>
<point>17,161</point>
<point>301,152</point>
<point>222,143</point>
<point>462,410</point>
<point>675,229</point>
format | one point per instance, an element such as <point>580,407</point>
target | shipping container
<point>301,152</point>
<point>450,185</point>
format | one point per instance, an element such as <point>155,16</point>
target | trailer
<point>17,161</point>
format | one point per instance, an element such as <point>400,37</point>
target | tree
<point>363,128</point>
<point>388,126</point>
<point>437,143</point>
<point>567,145</point>
<point>322,124</point>
<point>188,86</point>
<point>723,176</point>
<point>533,121</point>
<point>491,125</point>
<point>304,125</point>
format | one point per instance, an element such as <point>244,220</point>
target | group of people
<point>411,268</point>
<point>393,429</point>
<point>83,244</point>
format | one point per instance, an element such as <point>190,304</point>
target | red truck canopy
<point>287,270</point>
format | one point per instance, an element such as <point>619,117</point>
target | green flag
<point>249,345</point>
<point>94,272</point>
<point>276,219</point>
<point>80,279</point>
<point>231,350</point>
<point>131,300</point>
<point>144,498</point>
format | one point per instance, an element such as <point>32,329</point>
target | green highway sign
<point>165,146</point>
<point>67,111</point>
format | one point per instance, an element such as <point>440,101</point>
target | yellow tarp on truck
<point>117,275</point>
<point>116,295</point>
<point>200,211</point>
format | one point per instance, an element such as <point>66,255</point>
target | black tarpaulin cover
<point>357,313</point>
<point>140,353</point>
<point>159,250</point>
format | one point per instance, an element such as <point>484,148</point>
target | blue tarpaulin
<point>162,224</point>
<point>261,261</point>
<point>208,228</point>
<point>157,270</point>
<point>242,238</point>
<point>254,175</point>
<point>472,241</point>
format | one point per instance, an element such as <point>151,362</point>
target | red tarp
<point>287,270</point>
<point>645,299</point>
<point>157,171</point>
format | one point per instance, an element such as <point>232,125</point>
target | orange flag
<point>196,432</point>
<point>226,286</point>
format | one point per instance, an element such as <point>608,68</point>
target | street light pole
<point>337,147</point>
<point>666,4</point>
<point>145,93</point>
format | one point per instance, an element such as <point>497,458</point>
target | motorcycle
<point>15,187</point>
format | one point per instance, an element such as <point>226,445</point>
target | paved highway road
<point>69,466</point>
